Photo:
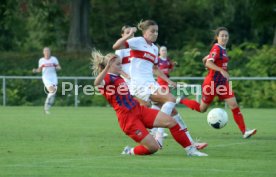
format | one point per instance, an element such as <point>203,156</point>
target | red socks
<point>180,136</point>
<point>239,119</point>
<point>194,105</point>
<point>141,150</point>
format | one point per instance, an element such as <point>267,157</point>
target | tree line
<point>77,25</point>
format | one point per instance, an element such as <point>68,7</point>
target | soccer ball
<point>217,118</point>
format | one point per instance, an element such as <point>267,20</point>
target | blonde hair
<point>99,61</point>
<point>163,47</point>
<point>144,25</point>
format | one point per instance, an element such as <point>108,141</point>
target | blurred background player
<point>124,55</point>
<point>48,65</point>
<point>144,60</point>
<point>217,62</point>
<point>133,118</point>
<point>165,65</point>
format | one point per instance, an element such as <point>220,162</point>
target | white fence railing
<point>77,78</point>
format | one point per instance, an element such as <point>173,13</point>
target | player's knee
<point>52,89</point>
<point>233,105</point>
<point>171,98</point>
<point>202,110</point>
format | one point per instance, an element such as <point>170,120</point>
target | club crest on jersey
<point>138,132</point>
<point>213,54</point>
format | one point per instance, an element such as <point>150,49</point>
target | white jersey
<point>49,75</point>
<point>124,55</point>
<point>143,57</point>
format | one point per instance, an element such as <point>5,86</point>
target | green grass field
<point>87,142</point>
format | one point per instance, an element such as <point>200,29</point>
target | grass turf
<point>87,141</point>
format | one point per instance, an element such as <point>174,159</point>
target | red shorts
<point>135,122</point>
<point>210,90</point>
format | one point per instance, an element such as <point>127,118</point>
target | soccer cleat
<point>126,151</point>
<point>248,133</point>
<point>200,146</point>
<point>192,151</point>
<point>47,112</point>
<point>165,135</point>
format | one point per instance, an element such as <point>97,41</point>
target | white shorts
<point>143,91</point>
<point>49,82</point>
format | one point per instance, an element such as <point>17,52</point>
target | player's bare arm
<point>160,74</point>
<point>120,43</point>
<point>210,64</point>
<point>37,70</point>
<point>99,79</point>
<point>58,67</point>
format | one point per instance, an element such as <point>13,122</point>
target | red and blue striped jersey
<point>219,56</point>
<point>116,92</point>
<point>165,65</point>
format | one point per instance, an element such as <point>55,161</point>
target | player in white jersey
<point>144,60</point>
<point>48,65</point>
<point>124,55</point>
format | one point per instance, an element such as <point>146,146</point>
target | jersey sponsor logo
<point>146,55</point>
<point>143,55</point>
<point>49,65</point>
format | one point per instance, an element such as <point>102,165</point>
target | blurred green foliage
<point>185,27</point>
<point>247,59</point>
<point>30,25</point>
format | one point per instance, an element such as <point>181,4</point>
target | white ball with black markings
<point>217,118</point>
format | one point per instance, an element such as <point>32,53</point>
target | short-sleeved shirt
<point>49,69</point>
<point>165,65</point>
<point>219,56</point>
<point>116,92</point>
<point>143,57</point>
<point>124,55</point>
<point>220,86</point>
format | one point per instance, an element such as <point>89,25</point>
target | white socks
<point>49,101</point>
<point>168,107</point>
<point>183,126</point>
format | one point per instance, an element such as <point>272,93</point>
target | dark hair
<point>144,25</point>
<point>217,31</point>
<point>124,28</point>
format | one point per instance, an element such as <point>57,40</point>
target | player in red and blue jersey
<point>165,65</point>
<point>216,83</point>
<point>133,118</point>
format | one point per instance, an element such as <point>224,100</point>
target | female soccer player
<point>133,118</point>
<point>165,65</point>
<point>216,82</point>
<point>144,60</point>
<point>124,55</point>
<point>48,65</point>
